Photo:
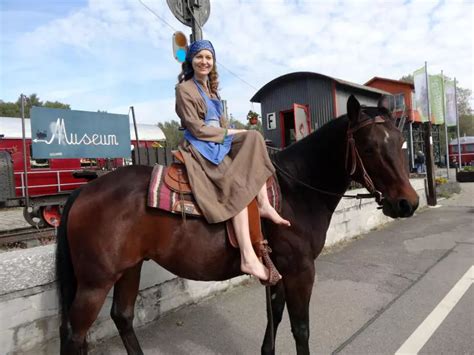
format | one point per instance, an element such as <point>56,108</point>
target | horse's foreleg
<point>298,288</point>
<point>277,306</point>
<point>84,310</point>
<point>122,312</point>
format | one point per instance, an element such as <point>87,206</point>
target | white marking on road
<point>426,329</point>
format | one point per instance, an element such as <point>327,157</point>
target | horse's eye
<point>369,150</point>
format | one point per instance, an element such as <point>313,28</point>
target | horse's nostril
<point>404,207</point>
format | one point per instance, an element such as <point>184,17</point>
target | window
<point>391,102</point>
<point>86,162</point>
<point>454,149</point>
<point>399,101</point>
<point>470,148</point>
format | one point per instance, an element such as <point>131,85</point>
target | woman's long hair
<point>187,72</point>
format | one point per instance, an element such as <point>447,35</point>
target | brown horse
<point>107,230</point>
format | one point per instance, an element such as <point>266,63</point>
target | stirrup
<point>274,275</point>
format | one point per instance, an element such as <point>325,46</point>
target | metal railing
<point>57,185</point>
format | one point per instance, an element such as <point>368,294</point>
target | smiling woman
<point>227,168</point>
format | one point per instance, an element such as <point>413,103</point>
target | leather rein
<point>355,160</point>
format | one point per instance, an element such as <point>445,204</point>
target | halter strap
<point>355,160</point>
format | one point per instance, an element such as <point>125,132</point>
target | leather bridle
<point>355,159</point>
<point>353,153</point>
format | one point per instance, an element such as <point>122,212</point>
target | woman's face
<point>203,63</point>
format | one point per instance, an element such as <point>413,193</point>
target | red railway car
<point>467,150</point>
<point>48,182</point>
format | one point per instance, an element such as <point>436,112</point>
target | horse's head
<point>375,159</point>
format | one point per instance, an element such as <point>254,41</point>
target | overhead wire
<point>174,29</point>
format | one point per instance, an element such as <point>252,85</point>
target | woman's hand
<point>235,131</point>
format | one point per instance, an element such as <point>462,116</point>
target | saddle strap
<point>264,252</point>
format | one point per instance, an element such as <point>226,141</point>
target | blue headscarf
<point>195,48</point>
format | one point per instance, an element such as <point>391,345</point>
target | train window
<point>470,148</point>
<point>87,162</point>
<point>454,148</point>
<point>38,163</point>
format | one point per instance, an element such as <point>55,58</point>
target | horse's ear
<point>353,109</point>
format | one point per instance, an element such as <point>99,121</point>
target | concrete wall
<point>28,300</point>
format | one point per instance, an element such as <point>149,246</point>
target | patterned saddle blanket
<point>169,191</point>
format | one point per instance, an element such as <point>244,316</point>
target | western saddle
<point>177,180</point>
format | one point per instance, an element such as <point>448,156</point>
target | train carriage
<point>47,182</point>
<point>467,150</point>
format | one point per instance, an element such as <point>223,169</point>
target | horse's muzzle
<point>399,208</point>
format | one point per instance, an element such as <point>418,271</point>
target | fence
<point>152,156</point>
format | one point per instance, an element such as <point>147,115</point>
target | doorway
<point>288,128</point>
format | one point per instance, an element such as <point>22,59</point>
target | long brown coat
<point>221,190</point>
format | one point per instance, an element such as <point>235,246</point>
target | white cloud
<point>110,54</point>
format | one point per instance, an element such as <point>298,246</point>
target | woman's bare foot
<point>269,212</point>
<point>255,268</point>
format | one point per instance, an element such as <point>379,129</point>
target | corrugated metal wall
<point>314,92</point>
<point>343,93</point>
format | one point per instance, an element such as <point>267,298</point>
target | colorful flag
<point>436,99</point>
<point>449,91</point>
<point>421,94</point>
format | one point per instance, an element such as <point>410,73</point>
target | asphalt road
<point>404,288</point>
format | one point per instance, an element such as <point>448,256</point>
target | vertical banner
<point>449,91</point>
<point>421,94</point>
<point>436,99</point>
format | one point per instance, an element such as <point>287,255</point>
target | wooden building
<point>403,104</point>
<point>295,104</point>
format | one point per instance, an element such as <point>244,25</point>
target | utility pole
<point>193,6</point>
<point>431,198</point>
<point>445,129</point>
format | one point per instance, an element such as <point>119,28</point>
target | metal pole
<point>197,30</point>
<point>27,199</point>
<point>457,123</point>
<point>136,134</point>
<point>431,198</point>
<point>412,152</point>
<point>445,128</point>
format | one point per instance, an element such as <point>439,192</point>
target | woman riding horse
<point>227,168</point>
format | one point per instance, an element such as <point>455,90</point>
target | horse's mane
<point>320,156</point>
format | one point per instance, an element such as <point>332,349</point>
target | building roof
<point>11,128</point>
<point>390,80</point>
<point>462,140</point>
<point>300,75</point>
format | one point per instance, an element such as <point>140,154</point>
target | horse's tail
<point>64,270</point>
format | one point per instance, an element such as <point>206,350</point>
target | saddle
<point>176,179</point>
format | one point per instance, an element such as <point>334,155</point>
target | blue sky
<point>111,54</point>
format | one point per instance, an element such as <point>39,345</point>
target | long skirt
<point>223,190</point>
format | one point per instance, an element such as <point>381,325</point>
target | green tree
<point>407,78</point>
<point>9,109</point>
<point>13,109</point>
<point>172,133</point>
<point>257,127</point>
<point>234,123</point>
<point>56,104</point>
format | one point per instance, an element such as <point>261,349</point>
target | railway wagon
<point>44,188</point>
<point>467,150</point>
